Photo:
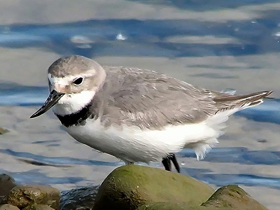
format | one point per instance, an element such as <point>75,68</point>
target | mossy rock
<point>176,206</point>
<point>38,207</point>
<point>232,196</point>
<point>25,195</point>
<point>164,206</point>
<point>129,187</point>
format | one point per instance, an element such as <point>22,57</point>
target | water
<point>102,37</point>
<point>218,45</point>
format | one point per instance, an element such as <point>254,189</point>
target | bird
<point>138,115</point>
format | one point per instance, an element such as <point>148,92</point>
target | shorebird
<point>138,115</point>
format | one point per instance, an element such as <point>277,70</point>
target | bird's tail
<point>226,105</point>
<point>226,102</point>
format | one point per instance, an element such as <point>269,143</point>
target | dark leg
<point>166,161</point>
<point>175,162</point>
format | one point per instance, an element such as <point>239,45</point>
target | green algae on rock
<point>232,196</point>
<point>176,206</point>
<point>129,187</point>
<point>25,195</point>
<point>163,206</point>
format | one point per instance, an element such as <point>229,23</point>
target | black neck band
<point>78,118</point>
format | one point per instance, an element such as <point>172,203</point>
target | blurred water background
<point>221,45</point>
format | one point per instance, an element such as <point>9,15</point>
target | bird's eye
<point>78,81</point>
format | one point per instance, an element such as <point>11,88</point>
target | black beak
<point>50,102</point>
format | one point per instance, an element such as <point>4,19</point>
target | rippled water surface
<point>215,44</point>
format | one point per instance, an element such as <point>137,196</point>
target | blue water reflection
<point>239,155</point>
<point>19,95</point>
<point>204,5</point>
<point>36,177</point>
<point>100,37</point>
<point>53,161</point>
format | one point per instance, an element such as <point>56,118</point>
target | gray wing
<point>151,100</point>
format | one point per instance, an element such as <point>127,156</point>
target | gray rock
<point>82,198</point>
<point>6,184</point>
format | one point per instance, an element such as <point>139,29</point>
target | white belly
<point>132,144</point>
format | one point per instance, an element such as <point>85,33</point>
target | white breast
<point>132,144</point>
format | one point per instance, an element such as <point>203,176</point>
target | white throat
<point>71,103</point>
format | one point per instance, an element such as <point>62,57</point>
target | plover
<point>138,115</point>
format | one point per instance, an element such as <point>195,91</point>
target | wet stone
<point>6,184</point>
<point>25,195</point>
<point>82,198</point>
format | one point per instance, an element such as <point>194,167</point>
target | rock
<point>177,206</point>
<point>6,184</point>
<point>25,195</point>
<point>164,206</point>
<point>3,130</point>
<point>234,197</point>
<point>129,187</point>
<point>38,207</point>
<point>82,198</point>
<point>8,207</point>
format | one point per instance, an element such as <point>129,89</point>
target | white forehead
<point>65,80</point>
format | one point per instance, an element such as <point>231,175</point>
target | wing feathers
<point>226,102</point>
